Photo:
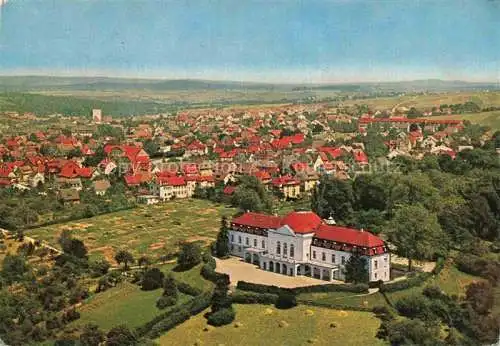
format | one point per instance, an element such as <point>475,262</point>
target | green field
<point>147,230</point>
<point>124,304</point>
<point>266,325</point>
<point>192,276</point>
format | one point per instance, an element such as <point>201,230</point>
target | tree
<point>71,246</point>
<point>480,297</point>
<point>356,269</point>
<point>189,256</point>
<point>153,279</point>
<point>222,242</point>
<point>144,262</point>
<point>416,233</point>
<point>170,293</point>
<point>121,336</point>
<point>333,197</point>
<point>251,195</point>
<point>91,335</point>
<point>222,312</point>
<point>14,268</point>
<point>286,300</point>
<point>124,257</point>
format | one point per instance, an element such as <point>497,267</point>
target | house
<point>101,186</point>
<point>72,183</point>
<point>69,196</point>
<point>169,187</point>
<point>301,243</point>
<point>287,185</point>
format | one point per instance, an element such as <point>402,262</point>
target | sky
<point>268,40</point>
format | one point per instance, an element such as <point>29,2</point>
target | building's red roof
<point>348,236</point>
<point>258,220</point>
<point>171,181</point>
<point>302,221</point>
<point>229,190</point>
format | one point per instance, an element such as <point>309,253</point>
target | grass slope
<point>124,304</point>
<point>146,230</point>
<point>260,325</point>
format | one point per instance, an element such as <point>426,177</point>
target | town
<point>302,198</point>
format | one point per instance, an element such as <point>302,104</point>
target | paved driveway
<point>239,270</point>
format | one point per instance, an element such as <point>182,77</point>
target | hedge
<point>253,298</point>
<point>417,280</point>
<point>353,288</point>
<point>174,316</point>
<point>188,289</point>
<point>414,281</point>
<point>221,317</point>
<point>173,320</point>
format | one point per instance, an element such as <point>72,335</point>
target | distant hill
<point>38,83</point>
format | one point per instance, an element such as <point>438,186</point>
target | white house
<point>301,243</point>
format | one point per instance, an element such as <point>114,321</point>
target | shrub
<point>254,298</point>
<point>221,317</point>
<point>489,269</point>
<point>286,300</point>
<point>153,279</point>
<point>188,289</point>
<point>433,292</point>
<point>165,301</point>
<point>383,312</point>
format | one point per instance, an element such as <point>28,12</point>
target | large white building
<point>301,243</point>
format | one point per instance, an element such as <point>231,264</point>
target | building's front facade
<point>301,243</point>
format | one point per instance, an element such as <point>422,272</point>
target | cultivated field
<point>266,325</point>
<point>146,230</point>
<point>491,119</point>
<point>483,99</point>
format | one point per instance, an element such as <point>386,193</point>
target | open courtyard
<point>239,270</point>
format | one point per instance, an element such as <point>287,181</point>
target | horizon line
<point>253,81</point>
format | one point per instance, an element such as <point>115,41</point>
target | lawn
<point>266,325</point>
<point>124,304</point>
<point>147,230</point>
<point>192,276</point>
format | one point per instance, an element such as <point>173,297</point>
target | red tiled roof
<point>258,220</point>
<point>348,236</point>
<point>302,221</point>
<point>285,180</point>
<point>229,190</point>
<point>171,180</point>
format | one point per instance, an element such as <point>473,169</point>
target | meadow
<point>266,325</point>
<point>147,230</point>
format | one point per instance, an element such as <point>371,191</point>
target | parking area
<point>239,270</point>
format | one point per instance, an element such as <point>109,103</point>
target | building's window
<point>239,239</point>
<point>278,248</point>
<point>255,243</point>
<point>343,259</point>
<point>239,248</point>
<point>263,244</point>
<point>247,241</point>
<point>314,254</point>
<point>285,249</point>
<point>333,258</point>
<point>232,238</point>
<point>323,256</point>
<point>375,275</point>
<point>375,263</point>
<point>232,247</point>
<point>292,250</point>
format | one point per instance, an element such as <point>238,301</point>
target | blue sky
<point>281,40</point>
